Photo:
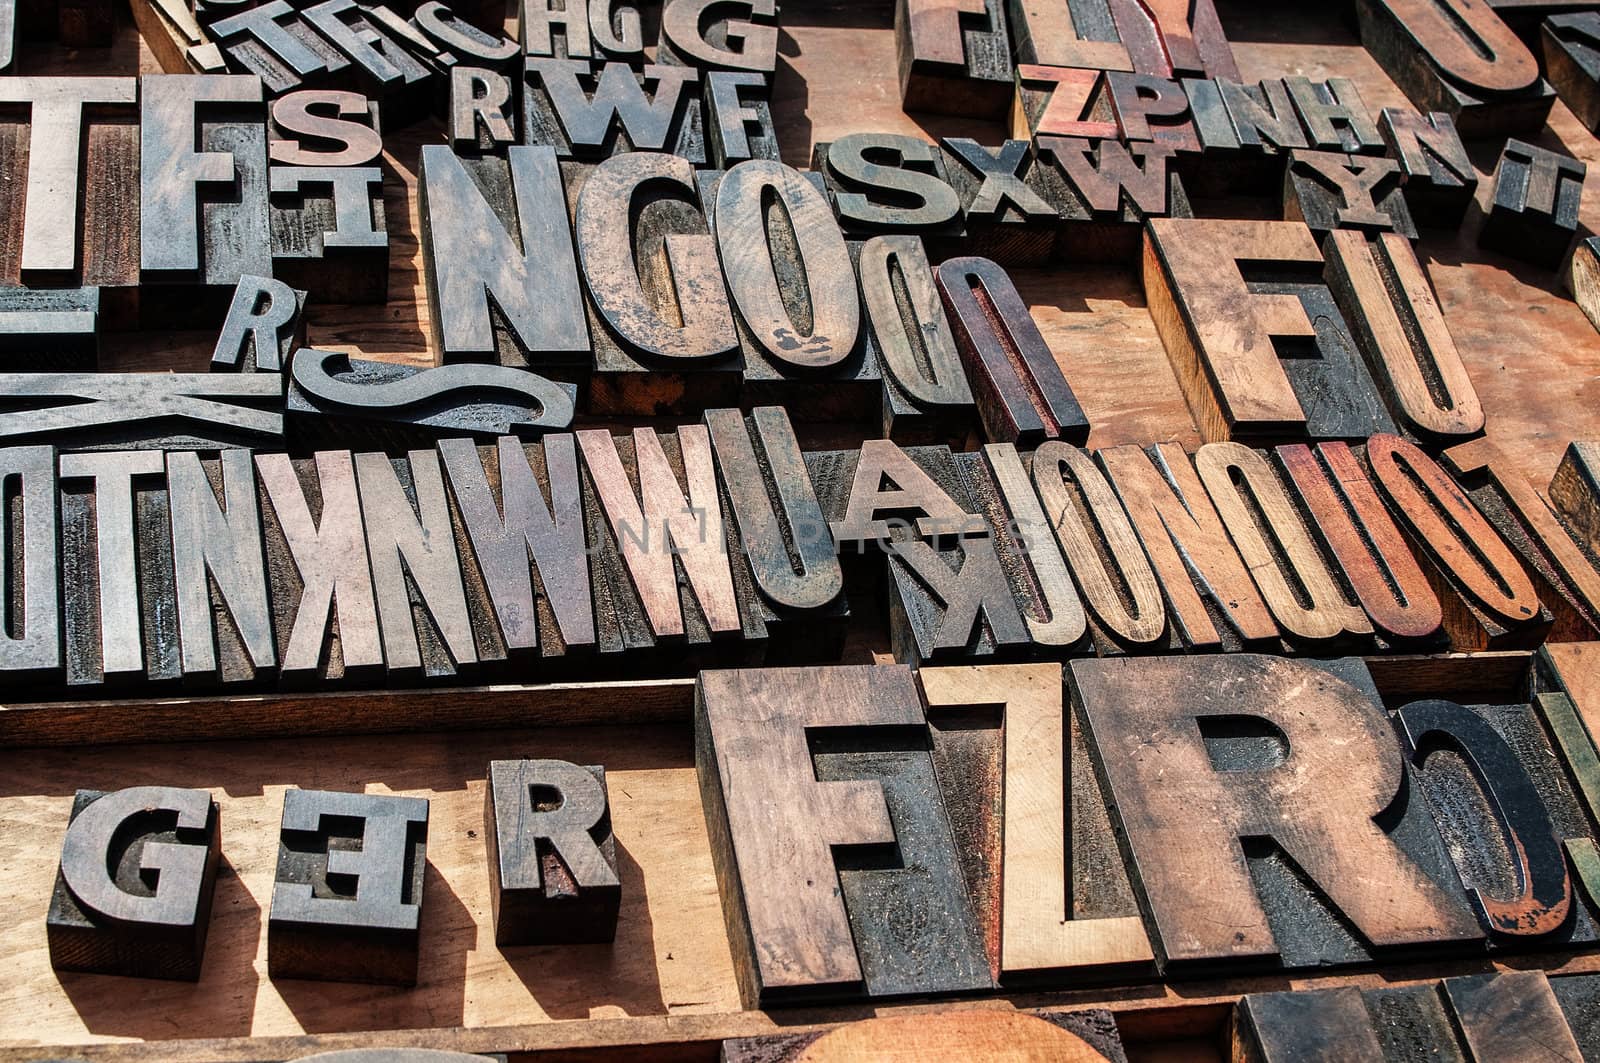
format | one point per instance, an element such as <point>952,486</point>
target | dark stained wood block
<point>1010,215</point>
<point>514,210</point>
<point>887,183</point>
<point>1572,62</point>
<point>1152,107</point>
<point>1584,276</point>
<point>789,575</point>
<point>925,391</point>
<point>1330,190</point>
<point>720,35</point>
<point>954,58</point>
<point>1264,356</point>
<point>796,303</point>
<point>1334,116</point>
<point>133,891</point>
<point>739,122</point>
<point>50,328</point>
<point>593,110</point>
<point>1436,174</point>
<point>807,920</point>
<point>382,65</point>
<point>325,613</point>
<point>1342,509</point>
<point>264,327</point>
<point>1106,189</point>
<point>660,317</point>
<point>1504,1014</point>
<point>1295,763</point>
<point>1023,397</point>
<point>1392,309</point>
<point>1068,33</point>
<point>1489,600</point>
<point>1534,213</point>
<point>581,29</point>
<point>335,400</point>
<point>467,36</point>
<point>1061,101</point>
<point>275,43</point>
<point>122,411</point>
<point>1314,1026</point>
<point>30,640</point>
<point>347,897</point>
<point>1462,60</point>
<point>552,857</point>
<point>329,233</point>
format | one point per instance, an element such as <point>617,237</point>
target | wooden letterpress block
<point>428,631</point>
<point>1328,190</point>
<point>514,211</point>
<point>1287,565</point>
<point>807,919</point>
<point>723,35</point>
<point>329,234</point>
<point>450,32</point>
<point>1009,215</point>
<point>1061,101</point>
<point>318,570</point>
<point>134,888</point>
<point>120,620</point>
<point>1089,1034</point>
<point>1436,174</point>
<point>1318,1024</point>
<point>595,110</point>
<point>1462,60</point>
<point>1212,599</point>
<point>224,610</point>
<point>1501,1015</point>
<point>663,575</point>
<point>1561,565</point>
<point>8,35</point>
<point>119,411</point>
<point>888,182</point>
<point>1572,60</point>
<point>789,574</point>
<point>739,122</point>
<point>1119,587</point>
<point>273,42</point>
<point>1015,776</point>
<point>1022,395</point>
<point>483,111</point>
<point>1534,214</point>
<point>955,58</point>
<point>1489,600</point>
<point>1068,33</point>
<point>1295,763</point>
<point>1151,107</point>
<point>30,642</point>
<point>264,327</point>
<point>1263,116</point>
<point>327,928</point>
<point>1176,40</point>
<point>1263,356</point>
<point>660,319</point>
<point>1575,491</point>
<point>1585,278</point>
<point>1483,775</point>
<point>69,144</point>
<point>1393,311</point>
<point>1035,570</point>
<point>581,29</point>
<point>520,520</point>
<point>315,127</point>
<point>798,309</point>
<point>49,328</point>
<point>1372,558</point>
<point>552,857</point>
<point>1106,189</point>
<point>336,400</point>
<point>925,390</point>
<point>203,193</point>
<point>382,66</point>
<point>1334,116</point>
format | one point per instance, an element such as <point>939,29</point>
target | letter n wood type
<point>1297,768</point>
<point>1489,600</point>
<point>516,300</point>
<point>814,889</point>
<point>1105,190</point>
<point>1030,821</point>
